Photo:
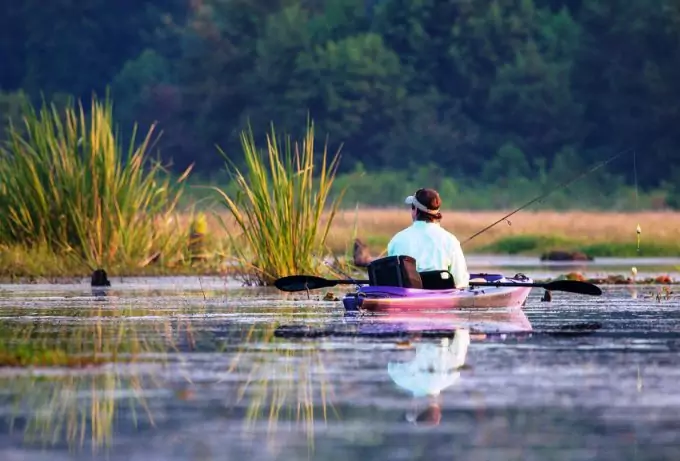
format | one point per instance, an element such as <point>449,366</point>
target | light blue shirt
<point>433,248</point>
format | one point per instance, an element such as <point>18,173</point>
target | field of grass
<point>532,232</point>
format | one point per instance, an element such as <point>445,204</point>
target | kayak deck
<point>387,298</point>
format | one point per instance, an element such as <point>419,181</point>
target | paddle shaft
<point>350,282</point>
<point>472,284</point>
<point>570,286</point>
<point>509,284</point>
<point>305,282</point>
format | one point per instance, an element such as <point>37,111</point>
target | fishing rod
<point>545,194</point>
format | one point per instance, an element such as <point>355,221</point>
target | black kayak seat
<point>400,271</point>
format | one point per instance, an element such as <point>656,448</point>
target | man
<point>433,247</point>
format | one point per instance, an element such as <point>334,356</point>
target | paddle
<point>310,282</point>
<point>572,286</point>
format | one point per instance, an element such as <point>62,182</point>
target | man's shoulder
<point>399,235</point>
<point>450,236</point>
<point>402,233</point>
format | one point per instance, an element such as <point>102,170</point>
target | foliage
<point>482,90</point>
<point>279,206</point>
<point>66,183</point>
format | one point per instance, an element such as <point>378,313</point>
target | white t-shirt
<point>433,248</point>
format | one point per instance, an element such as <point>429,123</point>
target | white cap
<point>412,200</point>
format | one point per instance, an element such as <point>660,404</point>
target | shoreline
<point>656,271</point>
<point>528,236</point>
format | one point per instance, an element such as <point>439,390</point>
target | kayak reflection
<point>482,323</point>
<point>497,321</point>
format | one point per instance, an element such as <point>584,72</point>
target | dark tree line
<point>484,89</point>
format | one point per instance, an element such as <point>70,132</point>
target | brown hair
<point>430,199</point>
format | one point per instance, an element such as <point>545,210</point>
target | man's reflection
<point>434,367</point>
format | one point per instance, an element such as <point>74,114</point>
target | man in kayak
<point>432,246</point>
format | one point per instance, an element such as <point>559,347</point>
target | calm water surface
<point>198,369</point>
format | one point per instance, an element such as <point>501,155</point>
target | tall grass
<point>279,206</point>
<point>67,183</point>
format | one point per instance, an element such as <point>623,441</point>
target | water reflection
<point>70,409</point>
<point>147,374</point>
<point>435,367</point>
<point>286,368</point>
<point>73,373</point>
<point>482,322</point>
<point>281,384</point>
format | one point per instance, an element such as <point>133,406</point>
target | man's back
<point>433,247</point>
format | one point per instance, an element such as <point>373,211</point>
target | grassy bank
<point>530,233</point>
<point>74,199</point>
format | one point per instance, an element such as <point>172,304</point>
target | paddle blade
<point>574,286</point>
<point>302,283</point>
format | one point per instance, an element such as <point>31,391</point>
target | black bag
<point>437,280</point>
<point>394,271</point>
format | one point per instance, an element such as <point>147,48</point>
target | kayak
<point>388,298</point>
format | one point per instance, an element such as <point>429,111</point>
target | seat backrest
<point>394,271</point>
<point>437,280</point>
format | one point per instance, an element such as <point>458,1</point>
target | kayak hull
<point>386,298</point>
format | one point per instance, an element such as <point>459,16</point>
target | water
<point>205,370</point>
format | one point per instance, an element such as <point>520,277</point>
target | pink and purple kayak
<point>386,298</point>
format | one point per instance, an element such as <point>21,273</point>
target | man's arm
<point>460,273</point>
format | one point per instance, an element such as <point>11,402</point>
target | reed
<point>280,209</point>
<point>67,183</point>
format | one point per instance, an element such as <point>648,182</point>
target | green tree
<point>514,63</point>
<point>355,89</point>
<point>12,39</point>
<point>216,72</point>
<point>628,79</point>
<point>77,47</point>
<point>275,85</point>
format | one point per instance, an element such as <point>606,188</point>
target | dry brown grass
<point>376,226</point>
